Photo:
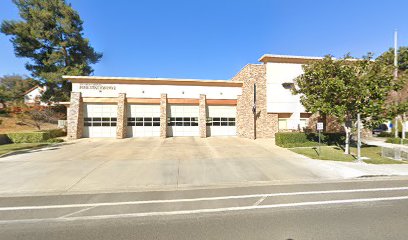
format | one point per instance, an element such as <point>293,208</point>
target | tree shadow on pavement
<point>35,149</point>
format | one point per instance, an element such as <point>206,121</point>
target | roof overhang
<point>66,104</point>
<point>31,89</point>
<point>287,59</point>
<point>153,81</point>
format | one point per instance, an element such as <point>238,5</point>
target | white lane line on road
<point>76,212</point>
<point>259,201</point>
<point>201,199</point>
<point>229,209</point>
<point>207,210</point>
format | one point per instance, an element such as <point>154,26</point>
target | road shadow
<point>51,147</point>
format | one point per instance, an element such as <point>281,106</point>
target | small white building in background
<point>33,96</point>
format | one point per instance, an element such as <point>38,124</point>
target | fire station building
<point>121,107</point>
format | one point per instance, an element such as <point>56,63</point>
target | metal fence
<point>396,153</point>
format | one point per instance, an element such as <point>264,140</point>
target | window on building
<point>143,121</point>
<point>182,121</point>
<point>303,123</point>
<point>100,122</point>
<point>220,121</point>
<point>283,123</point>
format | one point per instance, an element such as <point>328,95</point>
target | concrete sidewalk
<point>346,170</point>
<point>381,143</point>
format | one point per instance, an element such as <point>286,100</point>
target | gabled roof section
<point>31,89</point>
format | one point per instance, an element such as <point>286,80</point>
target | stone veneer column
<point>75,117</point>
<point>202,118</point>
<point>121,117</point>
<point>163,115</point>
<point>238,117</point>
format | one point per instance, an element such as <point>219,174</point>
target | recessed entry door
<point>183,120</point>
<point>143,120</point>
<point>221,121</point>
<point>100,120</point>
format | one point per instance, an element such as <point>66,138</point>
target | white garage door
<point>183,120</point>
<point>221,121</point>
<point>100,120</point>
<point>143,120</point>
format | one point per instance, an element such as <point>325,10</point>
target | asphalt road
<point>364,209</point>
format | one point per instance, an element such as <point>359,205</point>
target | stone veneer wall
<point>163,115</point>
<point>121,117</point>
<point>266,123</point>
<point>75,117</point>
<point>202,118</point>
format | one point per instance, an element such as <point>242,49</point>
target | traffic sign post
<point>319,128</point>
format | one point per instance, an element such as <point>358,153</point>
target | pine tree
<point>50,35</point>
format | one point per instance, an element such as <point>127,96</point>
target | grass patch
<point>337,154</point>
<point>7,148</point>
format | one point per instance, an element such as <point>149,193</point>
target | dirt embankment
<point>10,124</point>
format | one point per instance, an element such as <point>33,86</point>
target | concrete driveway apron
<point>97,165</point>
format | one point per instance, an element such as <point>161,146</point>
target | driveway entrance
<point>92,165</point>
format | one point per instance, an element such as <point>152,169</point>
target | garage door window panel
<point>143,121</point>
<point>99,122</point>
<point>183,121</point>
<point>218,121</point>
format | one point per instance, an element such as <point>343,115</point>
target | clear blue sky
<point>214,39</point>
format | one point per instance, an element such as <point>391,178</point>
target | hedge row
<point>292,139</point>
<point>396,140</point>
<point>34,137</point>
<point>390,134</point>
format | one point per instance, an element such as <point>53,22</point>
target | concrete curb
<point>52,192</point>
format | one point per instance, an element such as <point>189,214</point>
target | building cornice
<point>152,81</point>
<point>287,59</point>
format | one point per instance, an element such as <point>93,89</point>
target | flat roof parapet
<point>152,81</point>
<point>287,59</point>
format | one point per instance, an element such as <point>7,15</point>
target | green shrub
<point>35,137</point>
<point>285,138</point>
<point>396,141</point>
<point>57,133</point>
<point>333,138</point>
<point>385,134</point>
<point>55,140</point>
<point>28,137</point>
<point>296,139</point>
<point>302,144</point>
